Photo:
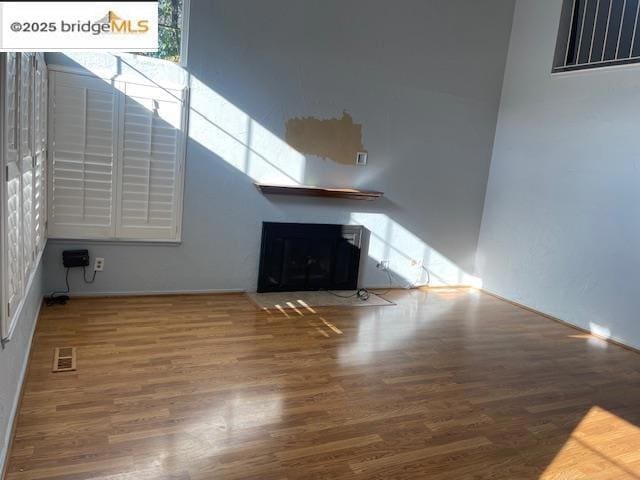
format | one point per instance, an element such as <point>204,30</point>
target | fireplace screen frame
<point>289,258</point>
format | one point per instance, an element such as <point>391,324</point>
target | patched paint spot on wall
<point>338,139</point>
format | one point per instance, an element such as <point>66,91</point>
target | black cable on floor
<point>363,294</point>
<point>60,298</point>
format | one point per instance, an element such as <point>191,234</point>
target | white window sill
<point>115,241</point>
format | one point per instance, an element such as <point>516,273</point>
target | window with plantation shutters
<point>26,94</point>
<point>117,159</point>
<point>40,154</point>
<point>83,143</point>
<point>23,127</point>
<point>12,253</point>
<point>151,163</point>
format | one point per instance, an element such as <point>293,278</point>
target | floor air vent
<point>64,359</point>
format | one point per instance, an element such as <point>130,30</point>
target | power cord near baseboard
<point>364,294</point>
<point>385,268</point>
<point>415,284</point>
<point>389,277</point>
<point>62,297</point>
<point>84,275</point>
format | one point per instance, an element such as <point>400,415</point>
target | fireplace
<point>309,256</point>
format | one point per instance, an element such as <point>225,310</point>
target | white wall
<point>13,362</point>
<point>423,77</point>
<point>561,225</point>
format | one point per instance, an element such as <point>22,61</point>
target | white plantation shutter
<point>10,109</point>
<point>13,251</point>
<point>151,142</point>
<point>26,96</point>
<point>116,154</point>
<point>83,157</point>
<point>23,129</point>
<point>40,152</point>
<point>12,246</point>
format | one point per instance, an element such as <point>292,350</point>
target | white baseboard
<point>29,285</point>
<point>416,287</point>
<point>8,440</point>
<point>609,338</point>
<point>142,293</point>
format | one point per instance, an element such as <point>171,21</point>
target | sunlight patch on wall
<point>126,66</point>
<point>599,330</point>
<point>224,129</point>
<point>409,257</point>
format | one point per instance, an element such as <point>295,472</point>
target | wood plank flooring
<point>448,384</point>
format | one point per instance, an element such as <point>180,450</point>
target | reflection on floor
<point>448,384</point>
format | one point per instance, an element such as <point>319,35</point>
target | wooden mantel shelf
<point>307,191</point>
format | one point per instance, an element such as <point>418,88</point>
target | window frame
<point>114,81</point>
<point>184,33</point>
<point>566,36</point>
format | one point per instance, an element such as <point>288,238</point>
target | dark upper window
<point>597,33</point>
<point>172,30</point>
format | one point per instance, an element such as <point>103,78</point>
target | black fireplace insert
<point>309,256</point>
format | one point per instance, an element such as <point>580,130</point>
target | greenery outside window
<point>173,20</point>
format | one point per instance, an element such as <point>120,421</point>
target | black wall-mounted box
<point>75,258</point>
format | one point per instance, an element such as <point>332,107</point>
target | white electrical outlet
<point>98,264</point>
<point>361,158</point>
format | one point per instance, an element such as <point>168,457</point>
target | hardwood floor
<point>448,384</point>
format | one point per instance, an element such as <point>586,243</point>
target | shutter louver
<point>83,157</point>
<point>40,147</point>
<point>151,138</point>
<point>12,260</point>
<point>14,253</point>
<point>26,136</point>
